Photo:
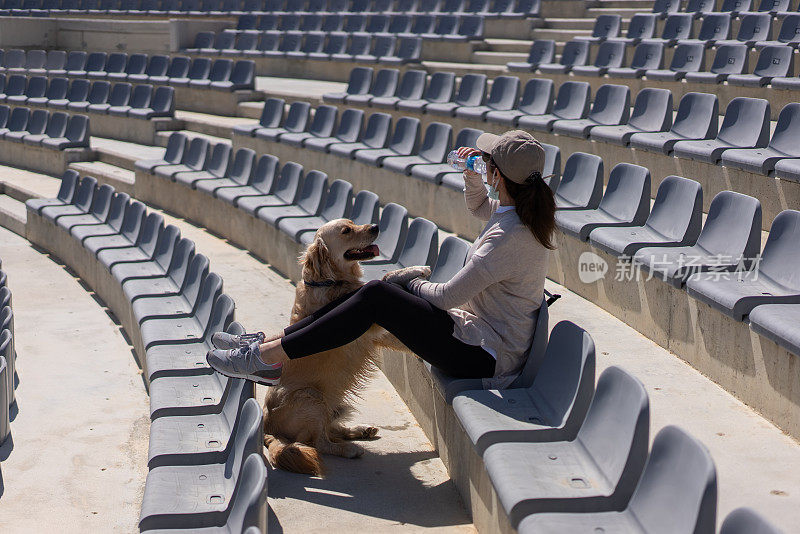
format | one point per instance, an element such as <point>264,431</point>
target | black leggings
<point>421,326</point>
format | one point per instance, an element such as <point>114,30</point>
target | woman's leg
<point>423,328</point>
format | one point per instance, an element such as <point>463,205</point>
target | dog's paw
<point>369,432</point>
<point>405,275</point>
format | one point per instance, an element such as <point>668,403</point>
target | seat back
<point>148,236</point>
<point>781,255</point>
<point>324,121</point>
<point>245,442</point>
<point>537,97</point>
<point>220,70</point>
<point>421,244</point>
<point>165,246</point>
<point>615,432</point>
<point>224,40</point>
<point>37,122</point>
<point>240,169</point>
<point>405,138</point>
<point>572,101</point>
<point>688,57</point>
<point>678,26</point>
<point>409,49</point>
<point>790,28</point>
<point>733,226</point>
<point>787,129</point>
<point>627,194</point>
<point>99,92</point>
<point>412,85</point>
<point>773,6</point>
<point>642,26</point>
<point>610,54</point>
<point>338,201</point>
<point>775,61</point>
<point>423,23</point>
<point>677,211</point>
<point>755,27</point>
<point>715,26</point>
<point>157,65</point>
<point>393,230</point>
<point>272,113</point>
<point>263,177</point>
<point>542,51</point>
<point>679,476</point>
<point>697,116</point>
<point>176,145</point>
<point>195,156</point>
<point>359,44</point>
<point>377,23</point>
<point>37,87</point>
<point>746,521</point>
<point>582,180</point>
<point>312,193</point>
<point>360,81</point>
<point>249,497</point>
<point>14,58</point>
<point>85,193</point>
<point>730,59</point>
<point>441,87</point>
<point>163,101</point>
<point>96,62</point>
<point>666,6</point>
<point>141,96</point>
<point>606,26</point>
<point>78,90</point>
<point>472,90</point>
<point>16,85</point>
<point>69,181</point>
<point>120,94</point>
<point>199,69</point>
<point>376,133</point>
<point>438,138</point>
<point>575,53</point>
<point>313,42</point>
<point>350,124</point>
<point>552,166</point>
<point>57,88</point>
<point>385,83</point>
<point>116,62</point>
<point>218,162</point>
<point>297,117</point>
<point>5,111</point>
<point>446,25</point>
<point>76,60</point>
<point>451,258</point>
<point>311,22</point>
<point>179,67</point>
<point>18,120</point>
<point>504,93</point>
<point>57,124</point>
<point>182,255</point>
<point>101,202</point>
<point>366,207</point>
<point>652,110</point>
<point>287,186</point>
<point>700,6</point>
<point>746,123</point>
<point>399,23</point>
<point>332,23</point>
<point>291,41</point>
<point>35,59</point>
<point>612,104</point>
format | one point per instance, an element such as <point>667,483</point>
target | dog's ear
<point>316,261</point>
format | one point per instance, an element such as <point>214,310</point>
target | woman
<point>477,325</point>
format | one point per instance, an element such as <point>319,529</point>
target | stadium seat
<point>404,142</point>
<point>536,99</point>
<point>440,89</point>
<point>609,55</point>
<point>700,8</point>
<point>777,322</point>
<point>581,185</point>
<point>80,204</point>
<point>542,51</point>
<point>502,97</point>
<point>56,128</point>
<point>471,92</point>
<point>728,59</point>
<point>223,168</point>
<point>271,117</point>
<point>309,200</point>
<point>359,84</point>
<point>383,85</point>
<point>754,27</point>
<point>641,26</point>
<point>284,190</point>
<point>296,121</point>
<point>215,167</point>
<point>574,53</point>
<point>745,125</point>
<point>435,173</point>
<point>715,27</point>
<point>321,126</point>
<point>410,87</point>
<point>789,33</point>
<point>176,145</point>
<point>127,234</point>
<point>782,145</point>
<point>572,102</point>
<point>438,138</point>
<point>736,7</point>
<point>157,265</point>
<point>66,192</point>
<point>687,58</point>
<point>451,258</point>
<point>393,225</point>
<point>652,112</point>
<point>595,472</point>
<point>773,279</point>
<point>697,118</point>
<point>611,107</point>
<point>347,131</point>
<point>679,475</point>
<point>773,62</point>
<point>675,220</point>
<point>677,27</point>
<point>564,383</point>
<point>194,159</point>
<point>338,203</point>
<point>625,203</point>
<point>746,521</point>
<point>605,27</point>
<point>375,135</point>
<point>420,247</point>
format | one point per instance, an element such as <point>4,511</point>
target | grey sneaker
<point>224,340</point>
<point>244,362</point>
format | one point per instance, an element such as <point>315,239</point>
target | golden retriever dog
<point>304,415</point>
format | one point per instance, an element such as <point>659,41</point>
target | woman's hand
<point>466,152</point>
<point>405,275</point>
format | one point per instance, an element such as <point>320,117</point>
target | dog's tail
<point>295,457</point>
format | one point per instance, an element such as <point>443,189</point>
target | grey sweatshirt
<point>494,298</point>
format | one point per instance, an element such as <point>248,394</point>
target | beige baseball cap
<point>517,153</point>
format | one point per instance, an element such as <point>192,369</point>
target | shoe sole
<point>257,380</point>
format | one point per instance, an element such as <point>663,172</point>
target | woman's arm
<point>478,202</point>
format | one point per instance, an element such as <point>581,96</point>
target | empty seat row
<point>39,127</point>
<point>180,71</point>
<point>313,45</point>
<point>7,357</point>
<point>487,8</point>
<point>428,26</point>
<point>80,95</point>
<point>700,8</point>
<point>205,460</point>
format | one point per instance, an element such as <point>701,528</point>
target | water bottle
<point>473,163</point>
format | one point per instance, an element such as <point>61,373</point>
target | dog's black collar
<point>324,283</point>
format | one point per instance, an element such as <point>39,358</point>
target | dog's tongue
<point>372,249</point>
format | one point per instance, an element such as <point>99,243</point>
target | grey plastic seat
<point>746,125</point>
<point>502,97</point>
<point>66,192</point>
<point>56,128</point>
<point>754,27</point>
<point>285,192</point>
<point>625,203</point>
<point>158,266</point>
<point>410,87</point>
<point>773,6</point>
<point>176,145</point>
<point>438,138</point>
<point>140,249</point>
<point>178,69</point>
<point>782,145</point>
<point>140,97</point>
<point>536,99</point>
<point>347,131</point>
<point>581,184</point>
<point>136,65</point>
<point>261,180</point>
<point>773,61</point>
<point>404,142</point>
<point>115,63</point>
<point>309,200</point>
<point>157,65</point>
<point>162,104</point>
<point>542,51</point>
<point>7,373</point>
<point>215,170</point>
<point>57,89</point>
<point>197,496</point>
<point>393,226</point>
<point>407,50</point>
<point>677,27</point>
<point>35,94</point>
<point>127,234</point>
<point>595,472</point>
<point>80,204</point>
<point>199,69</point>
<point>194,159</point>
<point>335,44</point>
<point>75,61</point>
<point>574,53</point>
<point>242,76</point>
<point>746,521</point>
<point>17,121</point>
<point>321,126</point>
<point>728,59</point>
<point>436,172</point>
<point>688,57</point>
<point>605,26</point>
<point>239,179</point>
<point>14,89</point>
<point>337,204</point>
<point>375,135</point>
<point>198,288</point>
<point>291,41</point>
<point>572,102</point>
<point>609,55</point>
<point>674,221</point>
<point>777,322</point>
<point>549,408</point>
<point>730,237</point>
<point>359,84</point>
<point>697,118</point>
<point>313,43</point>
<point>202,40</point>
<point>271,117</point>
<point>641,26</point>
<point>419,248</point>
<point>679,475</point>
<point>36,125</point>
<point>611,107</point>
<point>220,72</point>
<point>55,63</point>
<point>97,214</point>
<point>95,62</point>
<point>715,27</point>
<point>471,92</point>
<point>789,33</point>
<point>75,136</point>
<point>381,45</point>
<point>440,89</point>
<point>98,94</point>
<point>450,260</point>
<point>652,112</point>
<point>383,85</point>
<point>296,121</point>
<point>111,225</point>
<point>359,45</point>
<point>700,7</point>
<point>773,279</point>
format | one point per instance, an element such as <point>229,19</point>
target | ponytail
<point>535,205</point>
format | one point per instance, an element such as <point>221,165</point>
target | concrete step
<point>119,178</point>
<point>213,125</point>
<point>498,58</point>
<point>506,45</point>
<point>466,68</point>
<point>163,137</point>
<point>559,35</point>
<point>567,24</point>
<point>13,215</point>
<point>562,8</point>
<point>122,153</point>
